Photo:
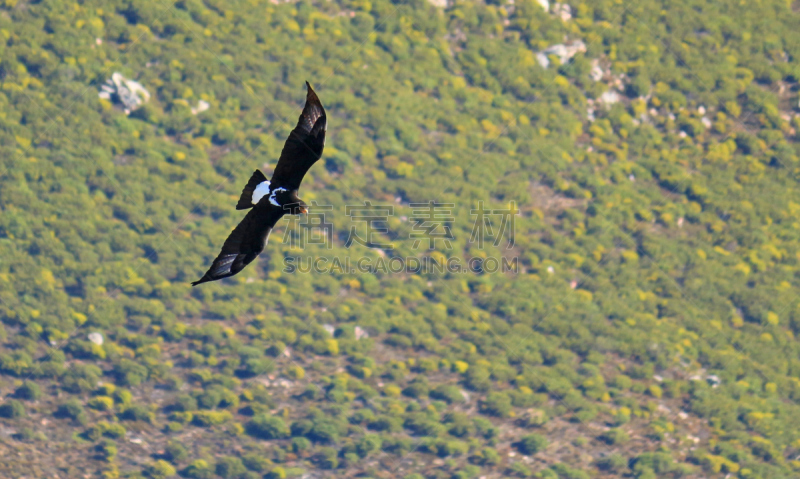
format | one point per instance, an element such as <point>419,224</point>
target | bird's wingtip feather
<point>311,97</point>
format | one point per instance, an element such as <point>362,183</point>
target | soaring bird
<point>271,199</point>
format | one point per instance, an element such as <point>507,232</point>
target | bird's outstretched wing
<point>304,145</point>
<point>245,242</point>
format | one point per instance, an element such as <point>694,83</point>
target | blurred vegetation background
<point>649,333</point>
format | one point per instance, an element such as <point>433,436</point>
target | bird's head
<point>296,206</point>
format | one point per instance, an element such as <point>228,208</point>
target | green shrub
<point>12,409</point>
<point>614,436</point>
<point>326,458</point>
<point>478,379</point>
<point>113,430</point>
<point>81,378</point>
<point>199,469</point>
<point>300,444</point>
<point>184,402</point>
<point>396,445</point>
<point>211,418</point>
<point>72,409</point>
<point>368,444</point>
<point>230,467</point>
<point>622,382</point>
<point>277,473</point>
<point>613,463</point>
<point>175,452</point>
<point>567,472</point>
<point>160,470</point>
<point>107,450</point>
<point>448,393</point>
<point>658,462</point>
<point>484,428</point>
<point>130,373</point>
<point>533,418</point>
<point>101,403</point>
<point>29,391</point>
<point>459,424</point>
<point>419,424</point>
<point>496,404</point>
<point>531,444</point>
<point>137,413</point>
<point>486,457</point>
<point>418,388</point>
<point>267,427</point>
<point>256,462</point>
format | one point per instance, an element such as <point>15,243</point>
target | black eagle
<point>271,199</point>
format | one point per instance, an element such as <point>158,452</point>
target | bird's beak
<point>303,210</point>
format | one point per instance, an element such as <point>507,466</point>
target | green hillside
<point>648,332</point>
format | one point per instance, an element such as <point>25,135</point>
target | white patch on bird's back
<point>261,190</point>
<point>272,198</point>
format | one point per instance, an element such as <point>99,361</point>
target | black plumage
<point>246,198</point>
<point>304,145</point>
<point>270,200</point>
